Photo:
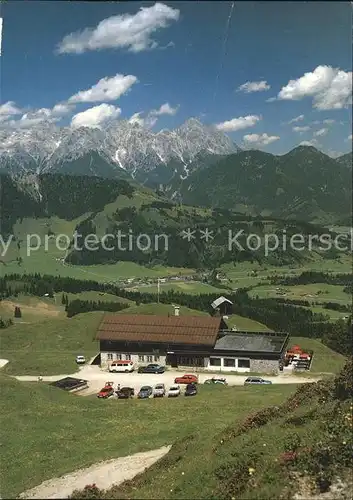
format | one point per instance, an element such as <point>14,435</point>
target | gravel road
<point>103,474</point>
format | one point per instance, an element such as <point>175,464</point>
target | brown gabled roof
<point>202,330</point>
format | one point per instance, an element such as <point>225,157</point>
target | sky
<point>272,75</point>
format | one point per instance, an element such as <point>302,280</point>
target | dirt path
<point>103,474</point>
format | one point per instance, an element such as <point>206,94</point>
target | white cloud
<point>296,119</point>
<point>147,122</point>
<point>165,109</point>
<point>316,122</point>
<point>8,110</point>
<point>260,139</point>
<point>129,31</point>
<point>238,123</point>
<point>137,119</point>
<point>321,132</point>
<point>313,143</point>
<point>300,130</point>
<point>330,88</point>
<point>37,116</point>
<point>250,87</point>
<point>96,116</point>
<point>329,122</point>
<point>349,138</point>
<point>334,154</point>
<point>107,89</point>
<point>271,99</point>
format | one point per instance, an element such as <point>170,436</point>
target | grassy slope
<point>33,309</point>
<point>49,347</point>
<point>44,262</point>
<point>58,432</point>
<point>162,309</point>
<point>97,297</point>
<point>246,324</point>
<point>223,470</point>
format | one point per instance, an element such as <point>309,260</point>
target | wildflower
<point>182,473</point>
<point>344,442</point>
<point>264,444</point>
<point>251,471</point>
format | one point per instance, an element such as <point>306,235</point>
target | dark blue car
<point>152,368</point>
<point>191,390</point>
<point>145,392</point>
<point>256,381</point>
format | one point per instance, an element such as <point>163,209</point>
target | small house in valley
<point>223,305</point>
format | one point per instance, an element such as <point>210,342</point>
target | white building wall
<point>224,362</point>
<point>239,365</point>
<point>137,359</point>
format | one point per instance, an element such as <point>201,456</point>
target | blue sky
<point>276,62</point>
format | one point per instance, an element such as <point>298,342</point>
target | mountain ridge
<point>304,183</point>
<point>121,145</point>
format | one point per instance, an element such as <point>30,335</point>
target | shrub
<point>89,491</point>
<point>343,385</point>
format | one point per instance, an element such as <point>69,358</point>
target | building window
<point>215,361</point>
<point>149,359</point>
<point>229,362</point>
<point>109,356</point>
<point>156,358</point>
<point>119,356</point>
<point>243,363</point>
<point>128,357</point>
<point>141,358</point>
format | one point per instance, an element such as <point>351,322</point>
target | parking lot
<point>97,378</point>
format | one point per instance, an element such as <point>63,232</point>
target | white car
<point>174,391</point>
<point>159,391</point>
<point>125,366</point>
<point>80,360</point>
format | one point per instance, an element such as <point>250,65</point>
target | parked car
<point>145,392</point>
<point>125,393</point>
<point>80,360</point>
<point>153,368</point>
<point>191,390</point>
<point>256,381</point>
<point>122,365</point>
<point>186,379</point>
<point>159,391</point>
<point>174,391</point>
<point>106,391</point>
<point>215,380</point>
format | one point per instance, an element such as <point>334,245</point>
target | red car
<point>186,379</point>
<point>107,391</point>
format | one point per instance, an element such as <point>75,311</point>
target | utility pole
<point>158,290</point>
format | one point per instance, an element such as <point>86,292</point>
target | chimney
<point>176,310</point>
